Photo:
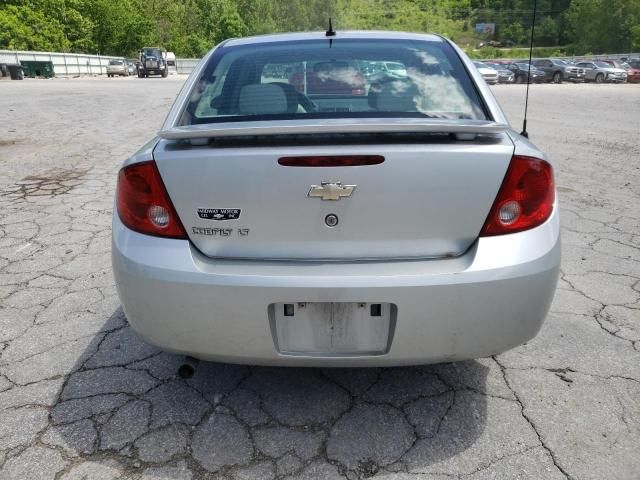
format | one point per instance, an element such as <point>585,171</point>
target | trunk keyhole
<point>331,220</point>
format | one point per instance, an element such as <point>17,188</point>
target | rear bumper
<point>491,299</point>
<point>616,78</point>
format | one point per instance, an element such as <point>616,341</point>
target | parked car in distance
<point>497,44</point>
<point>117,67</point>
<point>489,74</point>
<point>331,77</point>
<point>131,68</point>
<point>504,74</point>
<point>396,69</point>
<point>557,71</point>
<point>380,70</point>
<point>171,62</point>
<point>599,72</point>
<point>633,72</point>
<point>521,72</point>
<point>275,226</point>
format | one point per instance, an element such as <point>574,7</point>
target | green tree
<point>601,26</point>
<point>514,32</point>
<point>192,27</point>
<point>546,32</point>
<point>24,28</point>
<point>635,38</point>
<point>230,23</point>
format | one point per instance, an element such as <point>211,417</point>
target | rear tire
<point>557,77</point>
<point>599,78</point>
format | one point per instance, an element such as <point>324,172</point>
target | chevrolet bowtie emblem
<point>331,191</point>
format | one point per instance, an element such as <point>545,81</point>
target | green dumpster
<point>34,69</point>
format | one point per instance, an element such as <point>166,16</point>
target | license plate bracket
<point>332,328</point>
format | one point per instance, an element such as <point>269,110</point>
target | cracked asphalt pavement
<point>81,397</point>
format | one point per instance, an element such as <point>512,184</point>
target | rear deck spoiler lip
<point>333,125</point>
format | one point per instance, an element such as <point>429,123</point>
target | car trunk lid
<point>427,198</point>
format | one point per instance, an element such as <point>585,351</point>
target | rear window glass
<point>342,79</point>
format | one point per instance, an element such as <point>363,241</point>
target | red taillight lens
<point>143,203</point>
<point>525,199</point>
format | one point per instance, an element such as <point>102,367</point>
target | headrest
<point>262,99</point>
<point>393,96</point>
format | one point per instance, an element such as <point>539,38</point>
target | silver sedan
<point>329,219</point>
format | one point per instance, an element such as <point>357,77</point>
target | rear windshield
<point>115,62</point>
<point>339,79</point>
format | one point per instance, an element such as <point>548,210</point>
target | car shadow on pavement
<point>125,401</point>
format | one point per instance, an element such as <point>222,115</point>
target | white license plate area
<point>332,329</point>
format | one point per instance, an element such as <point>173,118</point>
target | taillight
<point>331,161</point>
<point>143,203</point>
<point>525,199</point>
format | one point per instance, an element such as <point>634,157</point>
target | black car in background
<point>521,71</point>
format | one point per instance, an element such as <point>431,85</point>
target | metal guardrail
<point>573,58</point>
<point>184,66</point>
<point>63,63</point>
<point>72,64</point>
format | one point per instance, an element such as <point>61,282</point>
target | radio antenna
<point>331,32</point>
<point>524,132</point>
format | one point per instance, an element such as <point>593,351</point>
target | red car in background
<point>633,72</point>
<point>632,68</point>
<point>329,78</point>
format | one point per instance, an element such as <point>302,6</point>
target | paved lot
<point>82,398</point>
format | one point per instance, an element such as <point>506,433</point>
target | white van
<point>171,62</point>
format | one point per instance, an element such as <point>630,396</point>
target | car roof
<point>347,34</point>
